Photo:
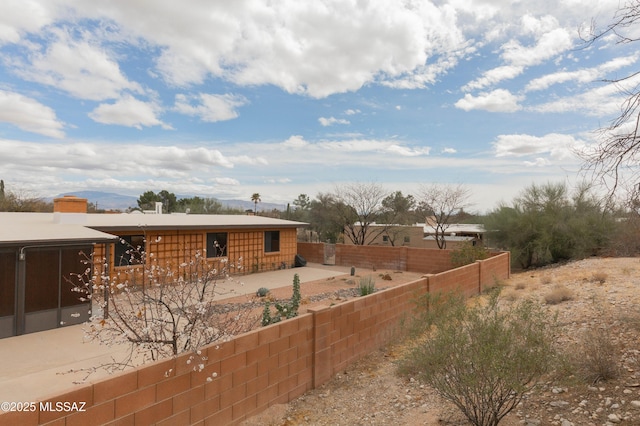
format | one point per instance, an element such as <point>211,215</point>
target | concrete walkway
<point>34,366</point>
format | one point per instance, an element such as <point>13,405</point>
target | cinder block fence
<point>244,376</point>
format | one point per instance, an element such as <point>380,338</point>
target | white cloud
<point>586,75</point>
<point>332,120</point>
<point>352,111</point>
<point>209,107</point>
<point>494,76</point>
<point>20,16</point>
<point>603,101</point>
<point>80,68</point>
<point>29,115</point>
<point>499,100</point>
<point>449,150</point>
<point>116,160</point>
<point>558,146</point>
<point>295,141</point>
<point>129,112</point>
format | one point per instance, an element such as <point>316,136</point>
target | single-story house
<point>39,251</point>
<point>421,235</point>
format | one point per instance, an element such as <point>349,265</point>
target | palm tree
<point>256,199</point>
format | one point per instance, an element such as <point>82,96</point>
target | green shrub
<point>467,253</point>
<point>284,310</point>
<point>483,358</point>
<point>262,292</point>
<point>367,285</point>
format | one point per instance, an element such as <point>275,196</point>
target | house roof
<point>32,228</point>
<point>458,228</point>
<point>38,228</point>
<point>106,222</point>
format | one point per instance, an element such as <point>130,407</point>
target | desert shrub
<point>557,295</point>
<point>467,253</point>
<point>596,358</point>
<point>520,286</point>
<point>546,279</point>
<point>284,310</point>
<point>599,277</point>
<point>547,224</point>
<point>366,285</point>
<point>483,358</point>
<point>262,292</point>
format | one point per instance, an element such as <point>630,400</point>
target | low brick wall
<point>426,260</point>
<point>271,365</point>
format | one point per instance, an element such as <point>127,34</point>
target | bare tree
<point>161,310</point>
<point>440,203</point>
<point>359,205</point>
<point>614,161</point>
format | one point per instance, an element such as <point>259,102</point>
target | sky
<point>282,97</point>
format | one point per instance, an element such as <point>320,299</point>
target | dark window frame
<point>127,253</point>
<point>217,244</point>
<point>271,244</point>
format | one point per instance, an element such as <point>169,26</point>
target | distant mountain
<point>112,201</point>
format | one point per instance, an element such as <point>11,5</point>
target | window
<point>130,250</point>
<point>216,244</point>
<point>407,239</point>
<point>271,241</point>
<point>385,238</point>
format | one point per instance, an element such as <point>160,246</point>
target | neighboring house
<point>421,235</point>
<point>39,251</point>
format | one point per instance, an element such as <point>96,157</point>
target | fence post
<point>322,365</point>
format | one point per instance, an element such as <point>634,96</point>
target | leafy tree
<point>483,358</point>
<point>324,218</point>
<point>398,211</point>
<point>440,203</point>
<point>255,197</point>
<point>197,205</point>
<point>545,224</point>
<point>148,200</point>
<point>302,202</point>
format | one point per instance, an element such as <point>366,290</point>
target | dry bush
<point>557,295</point>
<point>596,358</point>
<point>546,279</point>
<point>599,277</point>
<point>511,295</point>
<point>520,286</point>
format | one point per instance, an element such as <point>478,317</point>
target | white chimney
<point>158,207</point>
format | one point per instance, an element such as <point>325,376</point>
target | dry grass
<point>546,279</point>
<point>599,277</point>
<point>558,294</point>
<point>597,360</point>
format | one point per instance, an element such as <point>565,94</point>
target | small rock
<point>613,418</point>
<point>635,404</point>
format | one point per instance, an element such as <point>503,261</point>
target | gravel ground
<point>602,294</point>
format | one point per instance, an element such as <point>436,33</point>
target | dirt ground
<point>587,295</point>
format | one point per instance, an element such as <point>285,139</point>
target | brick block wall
<point>255,370</point>
<point>312,252</point>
